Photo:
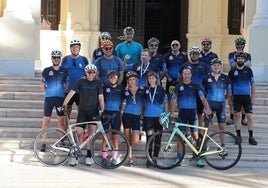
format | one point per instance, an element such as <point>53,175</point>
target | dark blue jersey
<point>113,97</point>
<point>154,100</point>
<point>54,81</point>
<point>187,94</point>
<point>216,89</point>
<point>174,63</point>
<point>241,80</point>
<point>206,58</point>
<point>199,71</point>
<point>133,102</point>
<point>142,71</point>
<point>158,63</point>
<point>232,55</point>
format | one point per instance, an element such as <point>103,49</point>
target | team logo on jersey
<point>80,65</point>
<point>181,88</point>
<point>50,73</point>
<point>209,80</point>
<point>147,91</point>
<point>108,90</point>
<point>99,53</point>
<point>236,73</point>
<point>139,68</point>
<point>127,93</point>
<point>171,58</point>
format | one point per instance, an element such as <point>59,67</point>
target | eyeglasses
<point>56,57</point>
<point>194,53</point>
<point>173,45</point>
<point>108,48</point>
<point>153,45</point>
<point>91,72</point>
<point>205,44</point>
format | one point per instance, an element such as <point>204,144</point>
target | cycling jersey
<point>142,71</point>
<point>231,57</point>
<point>158,63</point>
<point>199,71</point>
<point>206,58</point>
<point>113,97</point>
<point>174,63</point>
<point>133,102</point>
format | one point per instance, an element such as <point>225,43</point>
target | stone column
<point>258,40</point>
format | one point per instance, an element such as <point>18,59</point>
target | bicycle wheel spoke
<point>223,157</point>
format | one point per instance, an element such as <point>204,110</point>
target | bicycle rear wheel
<point>114,157</point>
<point>162,156</point>
<point>227,158</point>
<point>43,150</point>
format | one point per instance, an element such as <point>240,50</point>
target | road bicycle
<point>163,147</point>
<point>54,146</point>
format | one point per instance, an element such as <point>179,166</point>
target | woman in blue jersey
<point>133,96</point>
<point>155,103</point>
<point>113,100</point>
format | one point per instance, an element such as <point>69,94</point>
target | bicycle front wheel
<point>229,156</point>
<point>110,158</point>
<point>45,153</point>
<point>162,155</point>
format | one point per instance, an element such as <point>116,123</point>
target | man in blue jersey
<point>243,90</point>
<point>239,45</point>
<point>185,96</point>
<point>206,55</point>
<point>108,62</point>
<point>75,64</point>
<point>128,51</point>
<point>54,83</point>
<point>217,87</point>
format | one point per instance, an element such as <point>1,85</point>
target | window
<point>50,14</point>
<point>236,16</point>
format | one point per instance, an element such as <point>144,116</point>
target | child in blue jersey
<point>54,83</point>
<point>217,87</point>
<point>243,90</point>
<point>133,96</point>
<point>113,100</point>
<point>155,101</point>
<point>185,97</point>
<point>75,63</point>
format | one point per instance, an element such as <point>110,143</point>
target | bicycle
<point>54,146</point>
<point>172,140</point>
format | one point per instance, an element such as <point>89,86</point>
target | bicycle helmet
<point>240,40</point>
<point>112,72</point>
<point>105,35</point>
<point>56,53</point>
<point>240,54</point>
<point>105,43</point>
<point>130,74</point>
<point>206,39</point>
<point>75,42</point>
<point>152,40</point>
<point>215,60</point>
<point>164,119</point>
<point>128,30</point>
<point>194,49</point>
<point>90,67</point>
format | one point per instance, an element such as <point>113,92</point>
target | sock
<point>232,116</point>
<point>179,155</point>
<point>104,154</point>
<point>89,153</point>
<point>238,133</point>
<point>250,133</point>
<point>243,116</point>
<point>115,153</point>
<point>222,145</point>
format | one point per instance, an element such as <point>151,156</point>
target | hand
<point>61,108</point>
<point>127,57</point>
<point>171,89</point>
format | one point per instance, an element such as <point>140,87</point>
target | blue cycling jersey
<point>187,94</point>
<point>154,100</point>
<point>158,63</point>
<point>231,58</point>
<point>104,66</point>
<point>216,89</point>
<point>142,71</point>
<point>76,68</point>
<point>174,63</point>
<point>199,71</point>
<point>113,97</point>
<point>241,80</point>
<point>133,49</point>
<point>133,102</point>
<point>206,58</point>
<point>54,81</point>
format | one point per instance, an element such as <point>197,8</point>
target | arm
<point>43,87</point>
<point>121,76</point>
<point>205,103</point>
<point>253,93</point>
<point>68,97</point>
<point>101,102</point>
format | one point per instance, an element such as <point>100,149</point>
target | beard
<point>240,64</point>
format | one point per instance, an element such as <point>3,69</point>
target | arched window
<point>236,16</point>
<point>50,14</point>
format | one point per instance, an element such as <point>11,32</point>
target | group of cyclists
<point>138,84</point>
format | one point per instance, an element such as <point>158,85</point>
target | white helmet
<point>105,35</point>
<point>75,42</point>
<point>56,53</point>
<point>90,67</point>
<point>194,49</point>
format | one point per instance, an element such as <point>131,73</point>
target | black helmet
<point>240,54</point>
<point>215,60</point>
<point>130,74</point>
<point>240,40</point>
<point>112,72</point>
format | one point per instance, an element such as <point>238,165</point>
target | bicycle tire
<point>219,161</point>
<point>115,158</point>
<point>165,159</point>
<point>51,156</point>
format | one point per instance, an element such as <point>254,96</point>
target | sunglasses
<point>153,45</point>
<point>194,53</point>
<point>105,38</point>
<point>56,57</point>
<point>173,45</point>
<point>108,48</point>
<point>206,44</point>
<point>91,72</point>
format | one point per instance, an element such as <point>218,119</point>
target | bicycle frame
<point>199,152</point>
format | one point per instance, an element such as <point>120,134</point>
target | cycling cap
<point>56,53</point>
<point>130,74</point>
<point>128,30</point>
<point>206,39</point>
<point>194,49</point>
<point>75,42</point>
<point>112,72</point>
<point>153,40</point>
<point>215,60</point>
<point>241,54</point>
<point>240,40</point>
<point>164,119</point>
<point>105,35</point>
<point>105,43</point>
<point>90,67</point>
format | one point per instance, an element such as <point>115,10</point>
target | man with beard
<point>243,90</point>
<point>206,55</point>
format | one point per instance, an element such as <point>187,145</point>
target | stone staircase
<point>21,112</point>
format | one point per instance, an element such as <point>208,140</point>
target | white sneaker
<point>88,161</point>
<point>73,161</point>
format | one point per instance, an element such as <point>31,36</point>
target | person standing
<point>75,63</point>
<point>54,82</point>
<point>91,97</point>
<point>243,90</point>
<point>108,62</point>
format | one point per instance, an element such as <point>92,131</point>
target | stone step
<point>22,95</point>
<point>20,80</point>
<point>19,87</point>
